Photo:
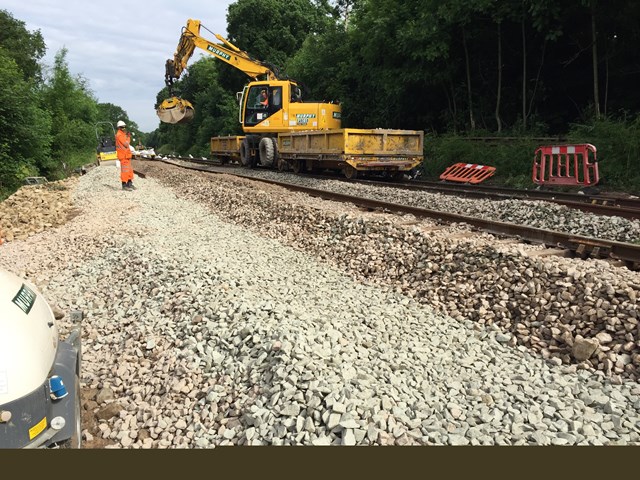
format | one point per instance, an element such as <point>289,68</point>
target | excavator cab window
<point>262,102</point>
<point>276,97</point>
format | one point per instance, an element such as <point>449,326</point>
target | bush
<point>513,158</point>
<point>165,149</point>
<point>200,151</point>
<point>618,150</point>
<point>617,143</point>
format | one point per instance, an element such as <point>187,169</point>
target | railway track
<point>598,204</point>
<point>626,254</point>
<point>601,204</point>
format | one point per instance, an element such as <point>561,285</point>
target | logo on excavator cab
<point>220,53</point>
<point>303,118</point>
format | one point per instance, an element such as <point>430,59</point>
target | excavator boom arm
<point>177,110</point>
<point>227,52</point>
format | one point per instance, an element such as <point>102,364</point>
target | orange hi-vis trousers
<point>126,170</point>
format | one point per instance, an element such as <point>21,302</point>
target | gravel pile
<point>201,331</point>
<point>571,311</point>
<point>35,208</point>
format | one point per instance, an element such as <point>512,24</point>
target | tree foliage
<point>24,47</point>
<point>48,118</point>
<point>274,30</point>
<point>74,111</point>
<point>435,65</point>
<point>24,127</point>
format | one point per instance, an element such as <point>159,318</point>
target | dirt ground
<point>90,421</point>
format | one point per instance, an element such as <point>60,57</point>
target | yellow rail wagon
<point>353,151</point>
<point>226,149</point>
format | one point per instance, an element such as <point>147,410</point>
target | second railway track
<point>582,246</point>
<point>600,204</point>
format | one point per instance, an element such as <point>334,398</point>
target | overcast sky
<point>119,47</point>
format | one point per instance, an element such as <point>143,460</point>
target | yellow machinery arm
<point>178,110</point>
<point>227,52</point>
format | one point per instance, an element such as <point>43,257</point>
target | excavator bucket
<point>175,110</point>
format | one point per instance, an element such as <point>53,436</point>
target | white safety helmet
<point>121,124</point>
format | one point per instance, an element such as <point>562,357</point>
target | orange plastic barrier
<point>467,173</point>
<point>566,165</point>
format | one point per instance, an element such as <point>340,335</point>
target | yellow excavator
<point>268,104</point>
<point>280,129</point>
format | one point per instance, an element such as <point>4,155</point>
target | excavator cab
<point>262,102</point>
<point>268,107</point>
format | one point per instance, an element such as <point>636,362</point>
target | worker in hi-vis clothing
<point>124,155</point>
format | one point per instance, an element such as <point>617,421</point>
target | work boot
<point>131,185</point>
<point>125,186</point>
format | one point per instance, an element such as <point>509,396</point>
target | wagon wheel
<point>276,153</point>
<point>349,172</point>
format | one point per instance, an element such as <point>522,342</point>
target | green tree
<point>323,62</point>
<point>24,127</point>
<point>48,125</point>
<point>24,47</point>
<point>385,73</point>
<point>73,110</point>
<point>274,30</point>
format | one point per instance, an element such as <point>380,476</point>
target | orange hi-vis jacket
<point>122,144</point>
<point>124,155</point>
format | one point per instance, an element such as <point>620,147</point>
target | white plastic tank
<point>28,337</point>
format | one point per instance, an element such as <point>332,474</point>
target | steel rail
<point>601,205</point>
<point>630,202</point>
